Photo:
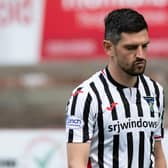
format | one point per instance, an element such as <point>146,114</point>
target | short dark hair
<point>123,20</point>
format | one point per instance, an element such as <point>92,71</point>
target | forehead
<point>141,37</point>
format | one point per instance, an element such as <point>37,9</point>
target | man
<point>115,118</point>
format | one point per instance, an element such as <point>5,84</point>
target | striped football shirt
<point>121,123</point>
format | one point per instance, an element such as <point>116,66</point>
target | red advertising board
<point>74,29</point>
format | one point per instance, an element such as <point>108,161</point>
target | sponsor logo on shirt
<point>77,92</point>
<point>129,124</point>
<point>112,106</point>
<point>73,122</point>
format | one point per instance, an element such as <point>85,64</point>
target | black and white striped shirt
<point>122,123</point>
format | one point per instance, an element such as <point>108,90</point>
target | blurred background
<point>47,47</point>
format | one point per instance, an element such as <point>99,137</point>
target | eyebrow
<point>136,45</point>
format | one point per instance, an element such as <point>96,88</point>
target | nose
<point>141,53</point>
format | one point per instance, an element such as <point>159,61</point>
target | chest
<point>129,110</point>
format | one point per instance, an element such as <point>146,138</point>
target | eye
<point>131,47</point>
<point>145,46</point>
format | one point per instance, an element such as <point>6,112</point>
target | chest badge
<point>150,101</point>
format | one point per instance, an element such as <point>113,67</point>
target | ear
<point>108,47</point>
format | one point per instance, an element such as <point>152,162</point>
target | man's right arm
<point>78,154</point>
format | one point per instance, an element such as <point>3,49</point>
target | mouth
<point>140,62</point>
<point>140,65</point>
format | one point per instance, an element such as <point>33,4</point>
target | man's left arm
<point>160,161</point>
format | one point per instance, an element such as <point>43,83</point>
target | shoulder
<point>82,97</point>
<point>85,86</point>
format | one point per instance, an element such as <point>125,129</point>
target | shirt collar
<point>114,82</point>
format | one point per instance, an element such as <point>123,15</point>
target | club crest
<point>150,101</point>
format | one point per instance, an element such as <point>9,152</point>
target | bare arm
<point>78,154</point>
<point>160,161</point>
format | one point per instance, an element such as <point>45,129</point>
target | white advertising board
<point>20,31</point>
<point>32,149</point>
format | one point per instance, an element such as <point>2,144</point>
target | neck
<point>121,77</point>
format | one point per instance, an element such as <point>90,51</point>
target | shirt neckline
<point>114,82</point>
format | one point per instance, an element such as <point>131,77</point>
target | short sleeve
<point>80,117</point>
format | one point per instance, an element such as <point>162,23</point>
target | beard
<point>136,68</point>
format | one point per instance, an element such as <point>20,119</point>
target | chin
<point>137,73</point>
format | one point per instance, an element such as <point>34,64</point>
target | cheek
<point>126,59</point>
<point>122,54</point>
